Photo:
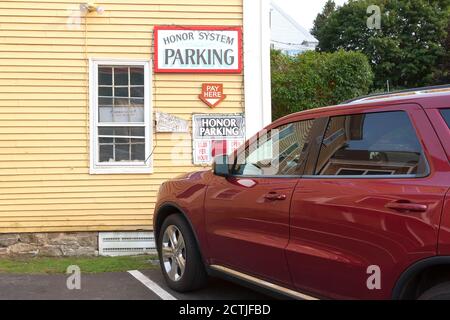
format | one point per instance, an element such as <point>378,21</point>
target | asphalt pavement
<point>134,285</point>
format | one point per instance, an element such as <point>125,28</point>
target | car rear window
<point>446,114</point>
<point>373,144</point>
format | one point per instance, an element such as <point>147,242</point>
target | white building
<point>287,34</point>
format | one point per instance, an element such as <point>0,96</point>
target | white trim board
<point>257,75</point>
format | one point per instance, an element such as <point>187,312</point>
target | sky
<point>304,11</point>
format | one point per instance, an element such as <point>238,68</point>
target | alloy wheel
<point>174,253</point>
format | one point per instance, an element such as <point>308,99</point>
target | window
<point>120,117</point>
<point>446,114</point>
<point>280,152</point>
<point>374,144</point>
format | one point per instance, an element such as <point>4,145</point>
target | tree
<point>408,47</point>
<point>315,79</point>
<point>443,76</point>
<point>319,22</point>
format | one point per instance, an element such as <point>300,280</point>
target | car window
<point>446,114</point>
<point>371,144</point>
<point>279,152</point>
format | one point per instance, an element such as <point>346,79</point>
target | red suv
<point>344,202</point>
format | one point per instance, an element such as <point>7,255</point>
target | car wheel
<point>179,256</point>
<point>439,292</point>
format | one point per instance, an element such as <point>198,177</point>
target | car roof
<point>427,98</point>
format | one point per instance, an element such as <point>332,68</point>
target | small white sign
<point>198,49</point>
<point>169,123</point>
<point>202,153</point>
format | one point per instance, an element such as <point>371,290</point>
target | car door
<point>369,205</point>
<point>247,213</point>
<point>440,118</point>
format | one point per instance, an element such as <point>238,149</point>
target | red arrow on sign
<point>212,94</point>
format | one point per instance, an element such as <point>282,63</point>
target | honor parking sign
<point>216,134</point>
<point>198,49</point>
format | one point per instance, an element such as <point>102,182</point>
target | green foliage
<point>315,79</point>
<point>443,75</point>
<point>321,19</point>
<point>409,48</point>
<point>87,265</point>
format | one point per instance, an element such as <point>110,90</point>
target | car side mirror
<point>221,167</point>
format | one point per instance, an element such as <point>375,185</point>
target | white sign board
<point>198,49</point>
<point>169,123</point>
<point>216,134</point>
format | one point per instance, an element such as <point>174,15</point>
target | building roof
<point>287,32</point>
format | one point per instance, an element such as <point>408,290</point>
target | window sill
<point>120,170</point>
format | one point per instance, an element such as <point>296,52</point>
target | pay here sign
<point>198,49</point>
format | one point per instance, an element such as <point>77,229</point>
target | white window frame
<point>120,167</point>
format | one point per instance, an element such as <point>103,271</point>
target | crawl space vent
<point>126,243</point>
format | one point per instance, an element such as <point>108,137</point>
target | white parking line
<point>163,294</point>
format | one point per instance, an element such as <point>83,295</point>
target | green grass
<point>87,265</point>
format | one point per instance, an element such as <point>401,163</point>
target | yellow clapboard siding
<point>79,225</point>
<point>185,94</point>
<point>114,8</point>
<point>54,151</point>
<point>105,206</point>
<point>168,144</point>
<point>78,177</point>
<point>166,157</point>
<point>88,212</point>
<point>45,163</point>
<point>103,22</point>
<point>9,228</point>
<point>45,185</point>
<point>76,192</point>
<point>69,202</point>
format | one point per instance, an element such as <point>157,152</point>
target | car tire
<point>438,292</point>
<point>177,245</point>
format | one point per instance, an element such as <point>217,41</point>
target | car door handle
<point>407,206</point>
<point>273,196</point>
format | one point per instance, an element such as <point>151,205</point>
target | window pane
<point>122,132</point>
<point>122,152</point>
<point>105,76</point>
<point>137,102</point>
<point>277,153</point>
<point>121,92</point>
<point>105,114</point>
<point>138,132</point>
<point>121,114</point>
<point>119,147</point>
<point>106,153</point>
<point>121,102</point>
<point>371,144</point>
<point>105,101</point>
<point>137,92</point>
<point>121,76</point>
<point>137,114</point>
<point>105,92</point>
<point>106,140</point>
<point>105,131</point>
<point>137,76</point>
<point>446,115</point>
<point>122,140</point>
<point>124,110</point>
<point>138,152</point>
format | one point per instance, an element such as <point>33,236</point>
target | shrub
<point>315,79</point>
